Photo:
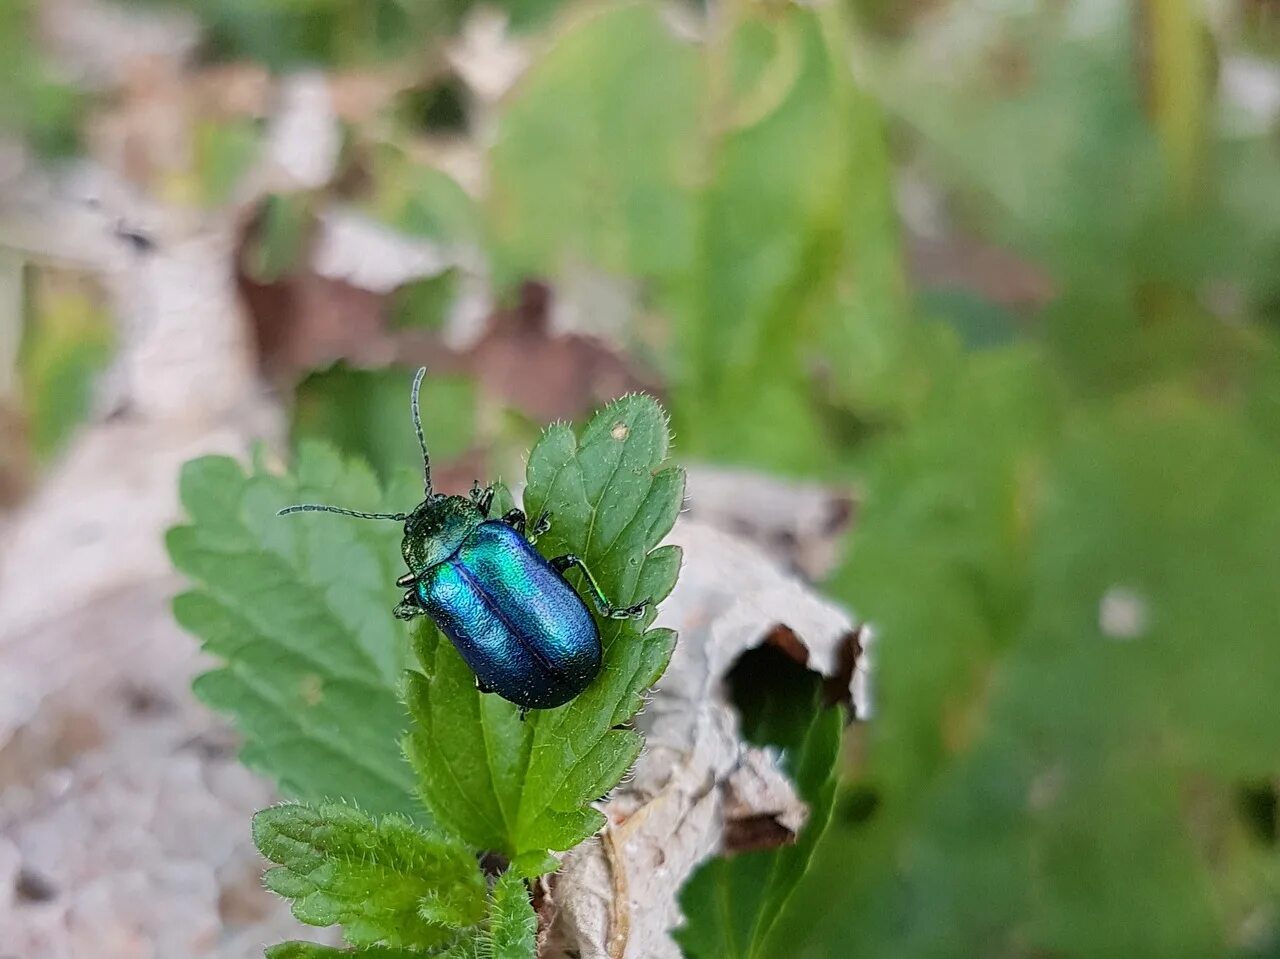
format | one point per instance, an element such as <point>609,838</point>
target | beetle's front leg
<point>540,526</point>
<point>482,497</point>
<point>408,607</point>
<point>518,521</point>
<point>607,609</point>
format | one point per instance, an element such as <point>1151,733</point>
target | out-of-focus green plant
<point>34,102</point>
<point>287,34</point>
<point>67,340</point>
<point>362,411</point>
<point>1070,549</point>
<point>749,182</point>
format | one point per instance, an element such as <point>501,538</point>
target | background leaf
<point>591,166</point>
<point>298,610</point>
<point>520,788</point>
<point>364,413</point>
<point>67,341</point>
<point>385,882</point>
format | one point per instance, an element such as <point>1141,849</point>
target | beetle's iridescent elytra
<point>511,614</point>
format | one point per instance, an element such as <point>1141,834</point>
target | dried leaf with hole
<point>698,782</point>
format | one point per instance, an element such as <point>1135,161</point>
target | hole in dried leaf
<point>774,693</point>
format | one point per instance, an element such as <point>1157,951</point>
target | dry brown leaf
<point>616,896</point>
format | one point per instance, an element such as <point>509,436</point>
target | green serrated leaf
<point>733,905</point>
<point>385,882</point>
<point>521,788</point>
<point>296,949</point>
<point>513,927</point>
<point>296,607</point>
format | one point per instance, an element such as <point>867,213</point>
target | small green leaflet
<point>385,882</point>
<point>314,950</point>
<point>298,610</point>
<point>521,788</point>
<point>508,927</point>
<point>512,930</point>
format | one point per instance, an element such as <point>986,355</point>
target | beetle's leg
<point>482,496</point>
<point>540,526</point>
<point>524,712</point>
<point>607,609</point>
<point>481,687</point>
<point>515,518</point>
<point>518,521</point>
<point>408,607</point>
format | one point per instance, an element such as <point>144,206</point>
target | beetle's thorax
<point>434,531</point>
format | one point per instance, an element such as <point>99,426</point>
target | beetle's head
<point>434,531</point>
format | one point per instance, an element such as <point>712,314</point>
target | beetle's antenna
<point>417,425</point>
<point>317,508</point>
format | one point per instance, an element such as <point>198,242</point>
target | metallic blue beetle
<point>511,613</point>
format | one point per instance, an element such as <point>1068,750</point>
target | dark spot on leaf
<point>145,701</point>
<point>1260,808</point>
<point>212,744</point>
<point>30,886</point>
<point>839,514</point>
<point>857,805</point>
<point>440,108</point>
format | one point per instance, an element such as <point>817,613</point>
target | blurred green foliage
<point>67,340</point>
<point>277,247</point>
<point>34,102</point>
<point>362,412</point>
<point>749,183</point>
<point>291,34</point>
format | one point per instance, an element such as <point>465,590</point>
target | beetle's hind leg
<point>607,609</point>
